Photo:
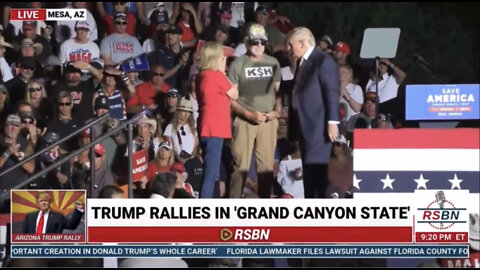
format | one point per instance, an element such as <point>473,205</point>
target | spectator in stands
<point>65,122</point>
<point>80,91</point>
<point>29,28</point>
<point>111,88</point>
<point>16,86</point>
<point>158,33</point>
<point>81,162</point>
<point>341,52</point>
<point>222,35</point>
<point>29,128</point>
<point>5,71</point>
<point>242,12</point>
<point>36,96</point>
<point>205,11</point>
<point>112,143</point>
<point>148,94</point>
<point>119,45</point>
<point>146,129</point>
<point>174,57</point>
<point>111,192</point>
<point>365,118</point>
<point>351,94</point>
<point>65,29</point>
<point>120,7</point>
<point>256,110</point>
<point>164,158</point>
<point>290,173</point>
<point>103,177</point>
<point>388,82</point>
<point>384,121</point>
<point>182,190</point>
<point>276,39</point>
<point>163,186</point>
<point>188,17</point>
<point>223,20</point>
<point>168,108</point>
<point>14,148</point>
<point>340,166</point>
<point>181,133</point>
<point>79,48</point>
<point>134,8</point>
<point>5,108</point>
<point>28,49</point>
<point>214,94</point>
<point>59,178</point>
<point>325,44</point>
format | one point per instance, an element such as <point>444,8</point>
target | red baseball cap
<point>86,133</point>
<point>177,167</point>
<point>99,149</point>
<point>342,47</point>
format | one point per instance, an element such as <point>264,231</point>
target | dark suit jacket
<point>316,93</point>
<point>55,224</point>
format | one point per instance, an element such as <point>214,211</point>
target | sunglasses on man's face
<point>28,68</point>
<point>35,89</point>
<point>257,42</point>
<point>121,23</point>
<point>66,104</point>
<point>158,74</point>
<point>172,96</point>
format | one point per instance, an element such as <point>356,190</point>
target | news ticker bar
<point>242,251</point>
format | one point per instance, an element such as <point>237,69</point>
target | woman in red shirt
<point>214,92</point>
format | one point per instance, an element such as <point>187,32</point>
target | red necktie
<point>40,224</point>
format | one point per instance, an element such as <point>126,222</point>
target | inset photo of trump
<point>48,216</point>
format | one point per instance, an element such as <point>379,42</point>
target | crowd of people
<point>236,103</point>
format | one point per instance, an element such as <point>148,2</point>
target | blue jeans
<point>212,157</point>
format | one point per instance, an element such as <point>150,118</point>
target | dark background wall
<point>446,35</point>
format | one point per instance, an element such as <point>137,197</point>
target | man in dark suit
<point>46,221</point>
<point>314,108</point>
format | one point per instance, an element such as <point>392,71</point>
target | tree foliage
<point>446,35</point>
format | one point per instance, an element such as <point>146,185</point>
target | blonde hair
<point>209,55</point>
<point>43,194</point>
<point>302,35</point>
<point>27,92</point>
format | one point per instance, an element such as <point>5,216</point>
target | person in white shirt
<point>4,67</point>
<point>387,83</point>
<point>66,29</point>
<point>351,94</point>
<point>79,48</point>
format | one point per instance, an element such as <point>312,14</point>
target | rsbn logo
<point>441,214</point>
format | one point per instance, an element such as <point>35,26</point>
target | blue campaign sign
<point>442,102</point>
<point>138,63</point>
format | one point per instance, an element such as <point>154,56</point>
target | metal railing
<point>70,155</point>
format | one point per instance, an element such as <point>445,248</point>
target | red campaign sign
<point>140,164</point>
<point>227,51</point>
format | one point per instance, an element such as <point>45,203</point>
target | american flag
<point>404,160</point>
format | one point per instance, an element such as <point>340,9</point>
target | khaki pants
<point>262,140</point>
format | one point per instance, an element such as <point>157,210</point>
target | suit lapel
<point>304,71</point>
